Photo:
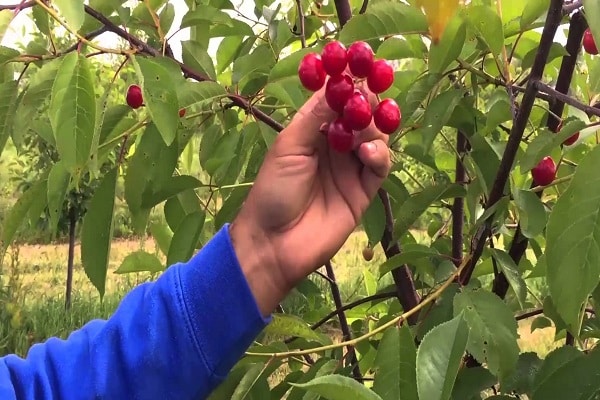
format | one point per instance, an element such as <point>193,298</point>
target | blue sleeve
<point>175,338</point>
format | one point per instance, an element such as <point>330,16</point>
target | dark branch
<point>363,8</point>
<point>458,207</point>
<point>20,6</point>
<point>301,19</point>
<point>553,19</point>
<point>88,36</point>
<point>344,11</point>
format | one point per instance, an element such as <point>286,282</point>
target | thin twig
<point>301,18</point>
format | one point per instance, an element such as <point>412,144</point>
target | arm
<point>175,338</point>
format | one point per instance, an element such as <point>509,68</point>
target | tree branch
<point>458,207</point>
<point>337,299</point>
<point>20,6</point>
<point>343,10</point>
<point>301,18</point>
<point>516,135</point>
<point>236,99</point>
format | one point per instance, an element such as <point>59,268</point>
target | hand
<point>305,202</point>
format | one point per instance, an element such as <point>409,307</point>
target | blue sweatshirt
<point>175,338</point>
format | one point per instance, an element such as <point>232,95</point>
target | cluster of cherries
<point>342,95</point>
<point>135,99</point>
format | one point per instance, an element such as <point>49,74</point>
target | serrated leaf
<point>6,17</point>
<point>493,330</point>
<point>439,357</point>
<point>572,241</point>
<point>533,10</point>
<point>416,205</point>
<point>194,93</point>
<point>373,220</point>
<point>488,26</point>
<point>410,253</point>
<point>160,96</point>
<point>168,189</point>
<point>522,378</point>
<point>243,389</point>
<point>16,214</point>
<point>140,261</point>
<point>73,11</point>
<point>205,14</point>
<point>470,382</point>
<point>511,271</point>
<point>437,114</point>
<point>338,387</point>
<point>395,365</point>
<point>383,18</point>
<point>412,99</point>
<point>321,367</point>
<point>532,214</point>
<point>73,111</point>
<point>286,325</point>
<point>540,323</point>
<point>58,183</point>
<point>185,238</point>
<point>449,47</point>
<point>8,92</point>
<point>97,231</point>
<point>196,57</point>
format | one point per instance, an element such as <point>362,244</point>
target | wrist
<point>259,265</point>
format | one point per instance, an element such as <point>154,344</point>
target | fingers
<point>375,155</point>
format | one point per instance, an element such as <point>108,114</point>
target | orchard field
<point>131,131</point>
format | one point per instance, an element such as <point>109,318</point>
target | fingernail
<point>371,147</point>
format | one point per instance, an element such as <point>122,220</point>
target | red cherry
<point>182,113</point>
<point>134,96</point>
<point>357,112</point>
<point>545,172</point>
<point>381,76</point>
<point>360,59</point>
<point>387,116</point>
<point>338,90</point>
<point>311,72</point>
<point>589,44</point>
<point>569,141</point>
<point>340,137</point>
<point>334,58</point>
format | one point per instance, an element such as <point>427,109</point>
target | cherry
<point>368,253</point>
<point>134,96</point>
<point>589,44</point>
<point>340,136</point>
<point>360,59</point>
<point>387,116</point>
<point>381,76</point>
<point>545,172</point>
<point>334,58</point>
<point>311,72</point>
<point>572,139</point>
<point>338,90</point>
<point>357,112</point>
<point>182,112</point>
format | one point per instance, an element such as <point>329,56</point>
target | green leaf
<point>251,377</point>
<point>521,380</point>
<point>286,325</point>
<point>170,188</point>
<point>395,365</point>
<point>161,234</point>
<point>470,382</point>
<point>416,205</point>
<point>73,12</point>
<point>439,357</point>
<point>493,330</point>
<point>160,96</point>
<point>572,241</point>
<point>140,261</point>
<point>204,14</point>
<point>195,93</point>
<point>545,142</point>
<point>384,18</point>
<point>512,274</point>
<point>185,238</point>
<point>540,323</point>
<point>58,183</point>
<point>6,17</point>
<point>338,387</point>
<point>411,252</point>
<point>553,362</point>
<point>449,47</point>
<point>73,111</point>
<point>532,214</point>
<point>374,221</point>
<point>321,367</point>
<point>8,93</point>
<point>97,231</point>
<point>533,10</point>
<point>17,213</point>
<point>196,57</point>
<point>437,114</point>
<point>488,26</point>
<point>412,99</point>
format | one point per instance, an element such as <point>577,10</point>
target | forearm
<point>177,337</point>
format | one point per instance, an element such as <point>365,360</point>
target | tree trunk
<point>69,285</point>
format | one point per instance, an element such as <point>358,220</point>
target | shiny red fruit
<point>311,72</point>
<point>340,137</point>
<point>570,140</point>
<point>381,76</point>
<point>182,113</point>
<point>545,172</point>
<point>360,59</point>
<point>589,44</point>
<point>387,116</point>
<point>334,58</point>
<point>338,90</point>
<point>134,96</point>
<point>357,112</point>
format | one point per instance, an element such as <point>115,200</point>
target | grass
<point>36,275</point>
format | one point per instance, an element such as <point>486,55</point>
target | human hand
<point>305,202</point>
